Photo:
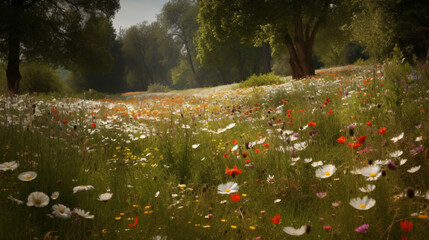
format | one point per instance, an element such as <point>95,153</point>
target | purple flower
<point>362,228</point>
<point>270,123</point>
<point>391,165</point>
<point>351,126</point>
<point>416,150</point>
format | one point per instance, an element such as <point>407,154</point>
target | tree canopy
<point>282,22</point>
<point>62,32</point>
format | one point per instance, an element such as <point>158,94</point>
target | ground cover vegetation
<point>338,155</point>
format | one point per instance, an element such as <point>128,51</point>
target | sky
<point>133,12</point>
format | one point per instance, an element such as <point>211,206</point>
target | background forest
<point>202,43</point>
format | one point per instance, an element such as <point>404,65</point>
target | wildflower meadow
<point>340,155</point>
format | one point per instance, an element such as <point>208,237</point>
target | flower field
<point>342,155</point>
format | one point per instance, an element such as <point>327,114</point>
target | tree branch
<point>30,4</point>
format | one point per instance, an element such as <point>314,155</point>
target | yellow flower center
<point>28,178</point>
<point>8,166</point>
<point>227,190</point>
<point>372,175</point>
<point>61,211</point>
<point>37,202</point>
<point>362,206</point>
<point>327,173</point>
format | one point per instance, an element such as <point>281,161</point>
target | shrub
<point>261,80</point>
<point>157,87</point>
<point>37,77</point>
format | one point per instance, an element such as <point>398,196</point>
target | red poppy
<point>327,228</point>
<point>234,142</point>
<point>275,219</point>
<point>266,144</point>
<point>233,171</point>
<point>257,150</point>
<point>135,222</point>
<point>361,139</point>
<point>341,139</point>
<point>368,123</point>
<point>382,130</point>
<point>311,124</point>
<point>355,145</point>
<point>247,161</point>
<point>404,237</point>
<point>406,226</point>
<point>235,197</point>
<point>330,111</point>
<point>93,124</point>
<point>65,121</point>
<point>244,155</point>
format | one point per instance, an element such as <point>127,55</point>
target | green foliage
<point>157,87</point>
<point>150,53</point>
<point>37,77</point>
<point>261,80</point>
<point>182,76</point>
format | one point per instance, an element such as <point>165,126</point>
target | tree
<point>293,23</point>
<point>50,30</point>
<point>179,16</point>
<point>150,53</point>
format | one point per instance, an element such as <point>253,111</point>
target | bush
<point>37,77</point>
<point>157,87</point>
<point>262,79</point>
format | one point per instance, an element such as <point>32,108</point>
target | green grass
<point>140,147</point>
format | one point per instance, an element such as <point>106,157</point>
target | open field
<point>342,155</point>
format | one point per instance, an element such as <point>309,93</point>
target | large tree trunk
<point>13,43</point>
<point>266,57</point>
<point>301,48</point>
<point>12,72</point>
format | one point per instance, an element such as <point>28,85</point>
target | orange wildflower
<point>341,139</point>
<point>235,197</point>
<point>266,144</point>
<point>275,219</point>
<point>233,171</point>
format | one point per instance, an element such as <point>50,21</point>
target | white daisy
<point>316,164</point>
<point>27,176</point>
<point>396,153</point>
<point>414,169</point>
<point>61,211</point>
<point>55,195</point>
<point>9,166</point>
<point>194,146</point>
<point>82,213</point>
<point>227,188</point>
<point>368,188</point>
<point>37,199</point>
<point>82,187</point>
<point>308,160</point>
<point>105,197</point>
<point>295,232</point>
<point>325,171</point>
<point>402,162</point>
<point>364,203</point>
<point>372,172</point>
<point>395,139</point>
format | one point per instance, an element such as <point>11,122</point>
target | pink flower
<point>362,228</point>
